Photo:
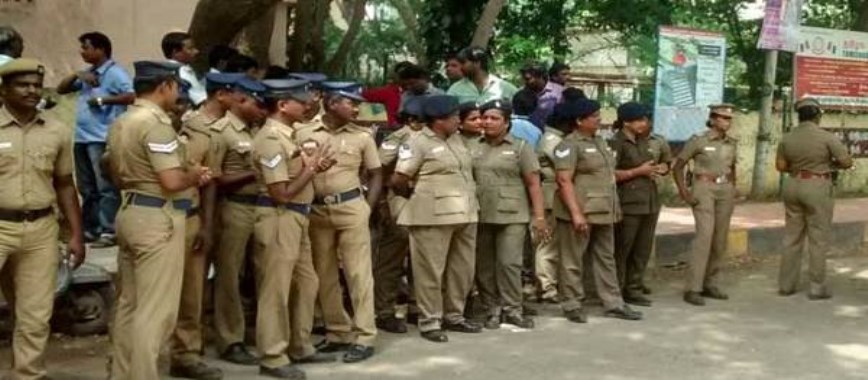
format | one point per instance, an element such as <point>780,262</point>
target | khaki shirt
<point>639,195</point>
<point>500,189</point>
<point>388,153</point>
<point>31,157</point>
<point>195,139</point>
<point>546,153</point>
<point>230,151</point>
<point>277,158</point>
<point>354,149</point>
<point>593,164</point>
<point>712,155</point>
<point>445,191</point>
<point>810,148</point>
<point>142,143</point>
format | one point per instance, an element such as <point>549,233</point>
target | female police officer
<point>471,122</point>
<point>712,197</point>
<point>506,171</point>
<point>587,211</point>
<point>441,216</point>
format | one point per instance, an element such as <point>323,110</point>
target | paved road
<point>756,335</point>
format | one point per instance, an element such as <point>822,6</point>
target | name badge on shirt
<point>389,146</point>
<point>5,145</point>
<point>508,153</point>
<point>710,149</point>
<point>405,153</point>
<point>438,149</point>
<point>244,144</point>
<point>590,150</point>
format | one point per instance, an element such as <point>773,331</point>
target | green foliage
<point>532,30</point>
<point>447,26</point>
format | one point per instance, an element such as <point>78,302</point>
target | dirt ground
<point>755,335</point>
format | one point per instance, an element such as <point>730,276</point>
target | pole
<point>766,121</point>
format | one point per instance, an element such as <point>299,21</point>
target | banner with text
<point>832,66</point>
<point>780,29</point>
<point>690,76</point>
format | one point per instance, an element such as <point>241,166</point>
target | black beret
<point>440,106</point>
<point>578,109</point>
<point>413,106</point>
<point>632,111</point>
<point>502,105</point>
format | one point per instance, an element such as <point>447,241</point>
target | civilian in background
<point>479,85</point>
<point>523,104</point>
<point>453,68</point>
<point>548,93</point>
<point>415,81</point>
<point>178,47</point>
<point>11,44</point>
<point>219,57</point>
<point>559,73</point>
<point>244,64</point>
<point>104,91</point>
<point>389,95</point>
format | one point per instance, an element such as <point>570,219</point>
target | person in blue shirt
<point>104,90</point>
<point>523,104</point>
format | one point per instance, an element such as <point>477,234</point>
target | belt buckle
<point>28,215</point>
<point>330,199</point>
<point>720,180</point>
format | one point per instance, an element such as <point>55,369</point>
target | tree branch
<point>218,22</point>
<point>343,50</point>
<point>485,27</point>
<point>408,17</point>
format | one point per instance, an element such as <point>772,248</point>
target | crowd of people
<point>475,192</point>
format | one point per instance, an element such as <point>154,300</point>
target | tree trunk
<point>317,37</point>
<point>301,30</point>
<point>217,22</point>
<point>485,27</point>
<point>408,16</point>
<point>343,51</point>
<point>862,21</point>
<point>257,37</point>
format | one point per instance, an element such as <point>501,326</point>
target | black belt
<point>193,211</point>
<point>157,202</point>
<point>297,207</point>
<point>24,215</point>
<point>334,199</point>
<point>246,199</point>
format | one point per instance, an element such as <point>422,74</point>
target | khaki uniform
<point>187,343</point>
<point>593,164</point>
<point>339,233</point>
<point>142,143</point>
<point>504,214</point>
<point>31,157</point>
<point>441,216</point>
<point>231,147</point>
<point>640,202</point>
<point>393,243</point>
<point>811,154</point>
<point>713,187</point>
<point>281,236</point>
<point>546,262</point>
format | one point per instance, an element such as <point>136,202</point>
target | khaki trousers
<point>443,265</point>
<point>599,244</point>
<point>302,302</point>
<point>712,216</point>
<point>809,207</point>
<point>279,236</point>
<point>237,223</point>
<point>499,255</point>
<point>546,261</point>
<point>150,273</point>
<point>634,241</point>
<point>393,247</point>
<point>187,343</point>
<point>341,239</point>
<point>29,256</point>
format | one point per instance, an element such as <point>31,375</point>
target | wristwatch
<point>99,101</point>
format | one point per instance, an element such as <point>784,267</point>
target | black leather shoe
<point>288,371</point>
<point>392,325</point>
<point>413,318</point>
<point>694,298</point>
<point>577,315</point>
<point>625,313</point>
<point>331,347</point>
<point>436,336</point>
<point>493,322</point>
<point>646,290</point>
<point>463,327</point>
<point>358,353</point>
<point>238,354</point>
<point>819,296</point>
<point>529,311</point>
<point>519,320</point>
<point>638,300</point>
<point>316,358</point>
<point>714,293</point>
<point>198,371</point>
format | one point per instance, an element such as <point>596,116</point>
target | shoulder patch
<point>219,127</point>
<point>404,152</point>
<point>163,148</point>
<point>562,152</point>
<point>271,163</point>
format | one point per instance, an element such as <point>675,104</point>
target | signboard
<point>781,25</point>
<point>690,77</point>
<point>832,66</point>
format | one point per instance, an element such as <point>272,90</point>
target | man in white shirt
<point>11,44</point>
<point>179,48</point>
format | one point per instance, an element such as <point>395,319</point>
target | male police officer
<point>35,172</point>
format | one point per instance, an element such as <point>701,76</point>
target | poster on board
<point>832,66</point>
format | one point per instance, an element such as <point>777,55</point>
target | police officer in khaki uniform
<point>547,253</point>
<point>506,171</point>
<point>229,157</point>
<point>713,199</point>
<point>809,155</point>
<point>339,232</point>
<point>641,158</point>
<point>195,138</point>
<point>393,243</point>
<point>470,119</point>
<point>314,113</point>
<point>35,171</point>
<point>144,161</point>
<point>587,210</point>
<point>285,172</point>
<point>435,172</point>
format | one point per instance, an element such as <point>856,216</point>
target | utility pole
<point>766,121</point>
